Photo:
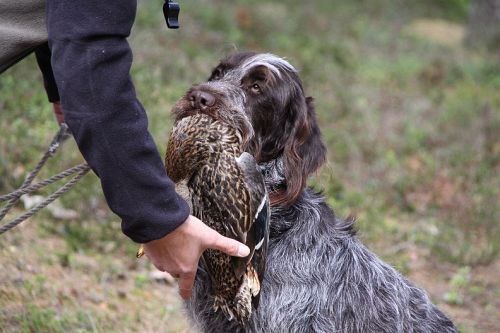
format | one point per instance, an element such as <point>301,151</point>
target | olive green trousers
<point>22,29</point>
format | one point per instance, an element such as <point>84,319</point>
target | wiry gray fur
<point>319,276</point>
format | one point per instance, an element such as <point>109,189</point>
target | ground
<point>409,114</point>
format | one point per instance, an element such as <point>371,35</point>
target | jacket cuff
<point>151,228</point>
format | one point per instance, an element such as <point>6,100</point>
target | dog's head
<point>277,119</point>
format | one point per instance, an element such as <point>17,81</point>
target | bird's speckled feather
<point>228,193</point>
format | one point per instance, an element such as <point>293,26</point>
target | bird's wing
<point>258,230</point>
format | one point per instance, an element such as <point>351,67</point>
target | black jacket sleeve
<point>91,61</point>
<point>43,56</point>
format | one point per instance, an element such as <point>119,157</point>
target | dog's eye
<point>256,88</point>
<point>216,75</point>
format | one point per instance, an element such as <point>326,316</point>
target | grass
<point>411,124</point>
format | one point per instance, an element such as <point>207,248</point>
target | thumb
<point>227,245</point>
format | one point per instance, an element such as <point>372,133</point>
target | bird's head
<point>192,142</point>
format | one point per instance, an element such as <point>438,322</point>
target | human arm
<point>91,61</point>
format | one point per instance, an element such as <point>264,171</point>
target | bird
<point>205,158</point>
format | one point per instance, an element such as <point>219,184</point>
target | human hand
<point>58,112</point>
<point>178,252</point>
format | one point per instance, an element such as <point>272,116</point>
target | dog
<point>319,276</point>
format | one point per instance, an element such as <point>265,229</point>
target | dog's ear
<point>303,154</point>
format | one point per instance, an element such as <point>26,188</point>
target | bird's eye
<point>256,88</point>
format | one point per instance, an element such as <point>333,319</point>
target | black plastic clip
<point>171,11</point>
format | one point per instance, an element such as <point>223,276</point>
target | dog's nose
<point>201,99</point>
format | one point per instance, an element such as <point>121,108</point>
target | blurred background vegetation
<point>407,95</point>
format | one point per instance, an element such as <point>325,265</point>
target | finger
<point>186,282</point>
<point>227,245</point>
